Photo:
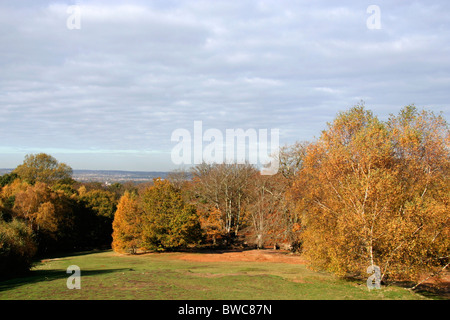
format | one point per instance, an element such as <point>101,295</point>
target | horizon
<point>99,170</point>
<point>102,86</point>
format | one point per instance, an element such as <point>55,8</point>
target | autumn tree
<point>179,178</point>
<point>103,204</point>
<point>48,213</point>
<point>222,188</point>
<point>265,210</point>
<point>8,195</point>
<point>210,219</point>
<point>127,225</point>
<point>236,200</point>
<point>291,159</point>
<point>42,208</point>
<point>43,168</point>
<point>373,193</point>
<point>421,153</point>
<point>168,222</point>
<point>62,216</point>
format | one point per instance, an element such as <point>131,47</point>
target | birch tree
<point>375,193</point>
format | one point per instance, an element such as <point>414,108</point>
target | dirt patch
<point>440,286</point>
<point>246,255</point>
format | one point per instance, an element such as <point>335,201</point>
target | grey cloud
<point>135,72</point>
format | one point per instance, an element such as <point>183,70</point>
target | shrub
<point>17,248</point>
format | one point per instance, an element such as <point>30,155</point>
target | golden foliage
<point>127,225</point>
<point>374,193</point>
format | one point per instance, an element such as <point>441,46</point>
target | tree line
<point>44,211</point>
<point>365,193</point>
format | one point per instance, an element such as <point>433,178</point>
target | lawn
<point>166,276</point>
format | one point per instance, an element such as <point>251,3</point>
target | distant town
<point>110,176</point>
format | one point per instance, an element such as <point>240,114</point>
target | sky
<point>104,84</point>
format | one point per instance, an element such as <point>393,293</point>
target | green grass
<point>106,275</point>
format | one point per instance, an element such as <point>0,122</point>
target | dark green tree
<point>7,178</point>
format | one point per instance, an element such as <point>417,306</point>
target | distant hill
<point>111,176</point>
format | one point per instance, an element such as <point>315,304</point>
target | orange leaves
<point>376,192</point>
<point>296,227</point>
<point>46,217</point>
<point>210,222</point>
<point>127,225</point>
<point>43,208</point>
<point>156,220</point>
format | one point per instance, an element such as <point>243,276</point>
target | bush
<point>17,248</point>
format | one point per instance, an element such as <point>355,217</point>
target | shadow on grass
<point>65,254</point>
<point>36,276</point>
<point>205,249</point>
<point>440,291</point>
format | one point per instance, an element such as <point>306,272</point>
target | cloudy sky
<point>108,93</point>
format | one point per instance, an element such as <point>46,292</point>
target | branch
<point>431,276</point>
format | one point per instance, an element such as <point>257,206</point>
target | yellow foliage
<point>127,225</point>
<point>375,193</point>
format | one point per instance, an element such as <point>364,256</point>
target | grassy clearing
<point>106,275</point>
